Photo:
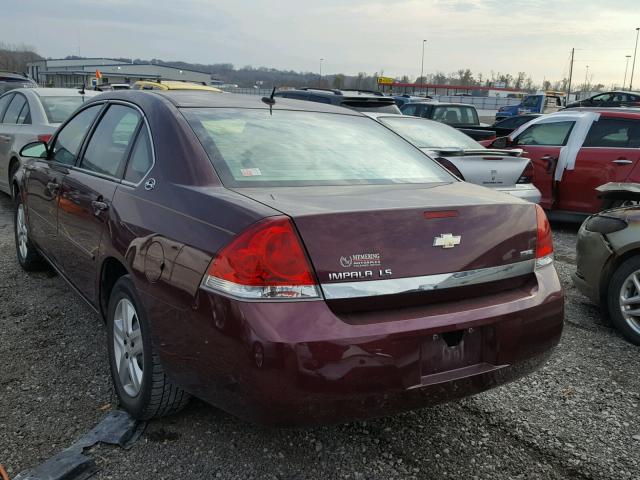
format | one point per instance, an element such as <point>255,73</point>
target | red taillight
<point>450,166</point>
<point>527,174</point>
<point>544,240</point>
<point>265,261</point>
<point>45,137</point>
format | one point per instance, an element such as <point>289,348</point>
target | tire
<point>140,383</point>
<point>625,283</point>
<point>28,257</point>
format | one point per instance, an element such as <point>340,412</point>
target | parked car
<point>172,85</point>
<point>29,114</point>
<point>504,170</point>
<point>288,262</point>
<point>404,99</point>
<point>574,152</point>
<point>459,115</point>
<point>359,100</point>
<point>12,80</point>
<point>110,87</point>
<point>609,99</point>
<point>507,125</point>
<point>608,259</point>
<point>541,102</point>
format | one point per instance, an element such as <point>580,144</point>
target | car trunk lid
<point>378,233</point>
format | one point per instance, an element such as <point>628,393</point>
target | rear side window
<point>614,133</point>
<point>58,109</point>
<point>548,134</point>
<point>12,114</point>
<point>108,147</point>
<point>141,158</point>
<point>67,143</point>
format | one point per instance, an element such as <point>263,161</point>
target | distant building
<point>73,73</point>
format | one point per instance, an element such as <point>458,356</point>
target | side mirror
<point>501,142</point>
<point>35,150</point>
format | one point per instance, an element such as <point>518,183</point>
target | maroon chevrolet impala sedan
<point>288,262</point>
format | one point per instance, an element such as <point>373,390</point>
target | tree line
<point>14,58</point>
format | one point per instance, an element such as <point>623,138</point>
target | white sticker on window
<point>250,172</point>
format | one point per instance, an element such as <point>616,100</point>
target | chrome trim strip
<point>335,291</point>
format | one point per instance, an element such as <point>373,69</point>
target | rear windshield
<point>252,148</point>
<point>58,109</point>
<point>427,134</point>
<point>454,115</point>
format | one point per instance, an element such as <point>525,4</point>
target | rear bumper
<point>299,363</point>
<point>525,191</point>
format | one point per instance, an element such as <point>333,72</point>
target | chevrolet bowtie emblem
<point>446,240</point>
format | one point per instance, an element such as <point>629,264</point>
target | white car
<point>503,170</point>
<point>28,115</point>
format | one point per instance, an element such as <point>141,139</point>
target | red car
<point>289,262</point>
<point>573,152</point>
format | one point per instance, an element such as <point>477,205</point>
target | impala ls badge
<point>446,240</point>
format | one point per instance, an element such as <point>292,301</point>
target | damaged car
<point>608,258</point>
<point>289,262</point>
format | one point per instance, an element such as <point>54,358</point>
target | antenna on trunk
<point>270,100</point>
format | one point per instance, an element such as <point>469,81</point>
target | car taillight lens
<point>450,166</point>
<point>544,241</point>
<point>527,174</point>
<point>266,261</point>
<point>44,137</point>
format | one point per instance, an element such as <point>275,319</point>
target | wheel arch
<point>14,165</point>
<point>611,266</point>
<point>110,271</point>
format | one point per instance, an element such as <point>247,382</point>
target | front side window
<point>12,115</point>
<point>66,146</point>
<point>428,134</point>
<point>409,109</point>
<point>253,148</point>
<point>605,97</point>
<point>5,100</point>
<point>549,134</point>
<point>107,149</point>
<point>530,102</point>
<point>614,133</point>
<point>58,109</point>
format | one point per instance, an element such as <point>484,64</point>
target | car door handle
<point>622,161</point>
<point>5,138</point>
<point>99,206</point>
<point>550,160</point>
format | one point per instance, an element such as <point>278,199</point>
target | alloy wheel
<point>21,225</point>
<point>127,345</point>
<point>630,301</point>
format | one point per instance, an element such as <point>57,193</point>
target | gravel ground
<point>577,418</point>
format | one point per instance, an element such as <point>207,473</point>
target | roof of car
<point>176,85</point>
<point>628,112</point>
<point>347,93</point>
<point>54,92</point>
<point>207,99</point>
<point>14,76</point>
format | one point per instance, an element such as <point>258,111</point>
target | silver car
<point>28,115</point>
<point>502,170</point>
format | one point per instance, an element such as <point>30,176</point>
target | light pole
<point>422,64</point>
<point>633,66</point>
<point>586,76</point>
<point>625,70</point>
<point>320,82</point>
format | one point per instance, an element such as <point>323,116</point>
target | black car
<point>360,100</point>
<point>13,80</point>
<point>609,99</point>
<point>507,125</point>
<point>462,116</point>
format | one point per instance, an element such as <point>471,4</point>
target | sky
<point>507,36</point>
